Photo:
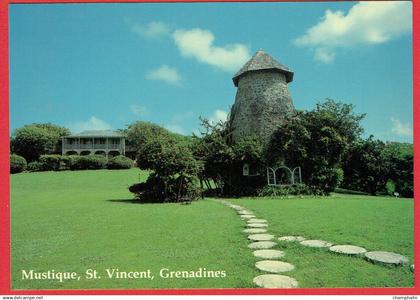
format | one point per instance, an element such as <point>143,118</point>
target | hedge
<point>50,162</point>
<point>35,166</point>
<point>90,162</point>
<point>17,164</point>
<point>55,162</point>
<point>285,190</point>
<point>68,162</point>
<point>120,162</point>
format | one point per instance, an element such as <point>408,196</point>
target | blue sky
<point>104,66</point>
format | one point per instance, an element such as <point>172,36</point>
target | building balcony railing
<point>71,146</point>
<point>92,146</point>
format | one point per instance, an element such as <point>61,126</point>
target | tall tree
<point>316,141</point>
<point>140,133</point>
<point>31,141</point>
<point>366,166</point>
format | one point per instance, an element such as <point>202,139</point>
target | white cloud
<point>175,128</point>
<point>366,23</point>
<point>177,121</point>
<point>198,43</point>
<point>166,74</point>
<point>151,30</point>
<point>324,55</point>
<point>215,118</point>
<point>93,123</point>
<point>218,116</point>
<point>181,117</point>
<point>139,110</point>
<point>400,128</point>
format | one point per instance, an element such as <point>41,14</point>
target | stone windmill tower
<point>262,99</point>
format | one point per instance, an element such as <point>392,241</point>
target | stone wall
<point>262,101</point>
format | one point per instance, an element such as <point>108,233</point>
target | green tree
<point>316,141</point>
<point>141,132</point>
<point>402,175</point>
<point>223,161</point>
<point>31,141</point>
<point>400,171</point>
<point>174,169</point>
<point>370,164</point>
<point>213,149</point>
<point>366,166</point>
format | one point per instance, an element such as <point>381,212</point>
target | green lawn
<point>375,223</point>
<point>74,221</point>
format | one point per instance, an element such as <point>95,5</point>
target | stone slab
<point>236,207</point>
<point>245,212</point>
<point>348,249</point>
<point>273,281</point>
<point>292,238</point>
<point>316,243</point>
<point>261,237</point>
<point>255,230</point>
<point>262,245</point>
<point>274,266</point>
<point>268,253</point>
<point>257,225</point>
<point>257,221</point>
<point>386,258</point>
<point>247,216</point>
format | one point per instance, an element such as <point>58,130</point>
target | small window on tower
<point>245,170</point>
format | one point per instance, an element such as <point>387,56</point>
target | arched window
<point>271,176</point>
<point>283,176</point>
<point>297,175</point>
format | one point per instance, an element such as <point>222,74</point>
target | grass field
<point>375,223</point>
<point>74,221</point>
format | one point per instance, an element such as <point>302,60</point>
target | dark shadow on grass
<point>135,201</point>
<point>130,201</point>
<point>125,201</point>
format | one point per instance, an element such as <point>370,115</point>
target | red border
<point>4,181</point>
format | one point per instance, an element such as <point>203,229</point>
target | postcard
<point>193,147</point>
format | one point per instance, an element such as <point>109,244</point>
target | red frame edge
<point>4,152</point>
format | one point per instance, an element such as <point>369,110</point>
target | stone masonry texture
<point>262,102</point>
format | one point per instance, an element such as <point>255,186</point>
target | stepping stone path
<point>257,221</point>
<point>274,266</point>
<point>316,243</point>
<point>291,238</point>
<point>257,225</point>
<point>261,237</point>
<point>262,245</point>
<point>271,281</point>
<point>255,230</point>
<point>386,258</point>
<point>348,249</point>
<point>268,254</point>
<point>262,242</point>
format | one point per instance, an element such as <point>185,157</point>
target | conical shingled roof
<point>262,61</point>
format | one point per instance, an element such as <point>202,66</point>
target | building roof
<point>96,133</point>
<point>262,61</point>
